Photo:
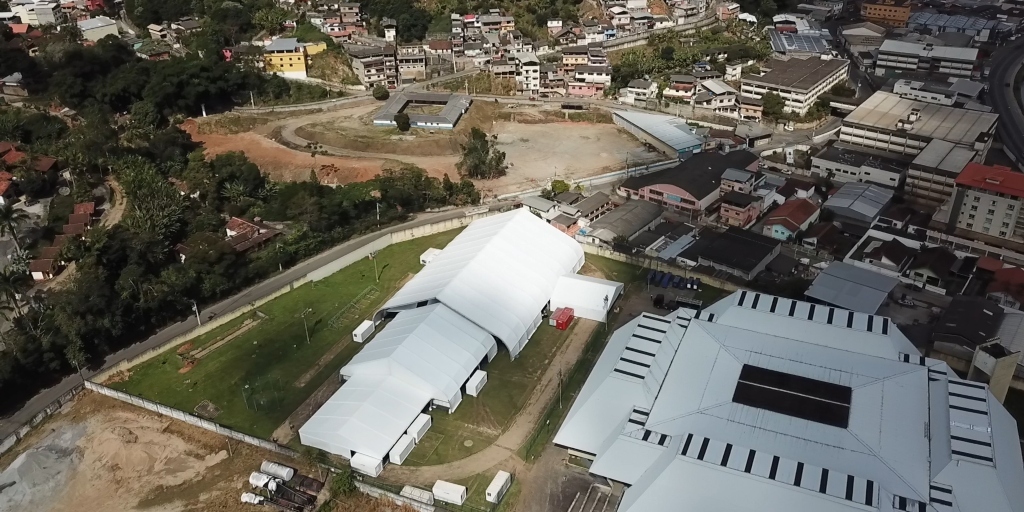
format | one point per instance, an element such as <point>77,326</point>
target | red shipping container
<point>563,317</point>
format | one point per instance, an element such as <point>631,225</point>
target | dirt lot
<point>102,454</point>
<point>539,146</point>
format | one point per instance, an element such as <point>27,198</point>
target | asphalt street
<point>44,398</point>
<point>1006,61</point>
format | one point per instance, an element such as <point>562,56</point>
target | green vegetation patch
<point>253,378</point>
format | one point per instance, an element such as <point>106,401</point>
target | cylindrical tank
<point>248,497</point>
<point>257,479</point>
<point>277,470</point>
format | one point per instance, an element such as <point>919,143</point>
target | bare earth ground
<point>535,151</point>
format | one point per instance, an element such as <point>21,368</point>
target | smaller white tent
<point>589,297</point>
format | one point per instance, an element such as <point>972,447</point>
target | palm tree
<point>10,217</point>
<point>12,284</point>
<point>235,192</point>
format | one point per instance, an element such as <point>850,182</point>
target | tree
<point>380,93</point>
<point>402,121</point>
<point>13,282</point>
<point>343,483</point>
<point>315,458</point>
<point>270,19</point>
<point>480,158</point>
<point>10,217</point>
<point>843,90</point>
<point>773,105</point>
<point>558,186</point>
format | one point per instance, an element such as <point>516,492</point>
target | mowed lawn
<point>252,379</point>
<point>478,421</point>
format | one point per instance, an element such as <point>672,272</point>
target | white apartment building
<point>527,73</point>
<point>594,75</point>
<point>97,28</point>
<point>895,57</point>
<point>39,13</point>
<point>638,91</point>
<point>798,81</point>
<point>988,200</point>
<point>844,164</point>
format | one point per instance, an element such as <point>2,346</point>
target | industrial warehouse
<point>765,403</point>
<point>494,283</point>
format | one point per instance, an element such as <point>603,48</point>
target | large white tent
<point>499,273</point>
<point>589,297</point>
<point>423,355</point>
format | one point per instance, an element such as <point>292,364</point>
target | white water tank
<point>257,479</point>
<point>277,470</point>
<point>363,332</point>
<point>248,497</point>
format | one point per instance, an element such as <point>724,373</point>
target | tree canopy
<point>481,159</point>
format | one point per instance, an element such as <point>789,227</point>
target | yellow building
<point>893,13</point>
<point>288,57</point>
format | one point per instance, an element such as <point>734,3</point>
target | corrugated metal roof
<point>670,130</point>
<point>860,201</point>
<point>854,288</point>
<point>883,109</point>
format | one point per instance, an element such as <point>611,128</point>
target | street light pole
<point>304,327</point>
<point>195,307</point>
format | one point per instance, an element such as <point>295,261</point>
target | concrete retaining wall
<point>656,264</point>
<point>54,406</point>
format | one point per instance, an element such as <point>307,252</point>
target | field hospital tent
<point>422,355</point>
<point>589,297</point>
<point>498,273</point>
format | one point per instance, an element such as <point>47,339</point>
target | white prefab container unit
<point>418,494</point>
<point>428,255</point>
<point>277,470</point>
<point>363,332</point>
<point>498,486</point>
<point>589,297</point>
<point>419,427</point>
<point>366,464</point>
<point>449,492</point>
<point>402,449</point>
<point>476,383</point>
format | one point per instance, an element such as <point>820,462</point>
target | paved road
<point>44,398</point>
<point>1006,61</point>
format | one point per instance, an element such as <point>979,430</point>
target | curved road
<point>11,423</point>
<point>1006,62</point>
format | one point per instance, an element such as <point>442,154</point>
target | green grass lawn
<point>271,357</point>
<point>476,490</point>
<point>478,421</point>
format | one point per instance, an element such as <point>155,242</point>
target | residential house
<point>575,56</point>
<point>244,235</point>
<point>545,208</point>
<point>858,204</point>
<point>287,57</point>
<point>680,87</point>
<point>792,217</point>
<point>933,267</point>
<point>97,28</point>
<point>185,26</point>
<point>620,16</point>
<point>1007,287</point>
<point>590,80</point>
<point>390,27</point>
<point>13,85</point>
<point>639,91</point>
<point>891,13</point>
<point>728,11</point>
<point>158,32</point>
<point>374,65</point>
<point>624,222</point>
<point>527,73</point>
<point>412,62</point>
<point>153,50</point>
<point>594,206</point>
<point>717,96</point>
<point>740,180</point>
<point>39,13</point>
<point>43,269</point>
<point>826,236</point>
<point>738,252</point>
<point>739,209</point>
<point>751,109</point>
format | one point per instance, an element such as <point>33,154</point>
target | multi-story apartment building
<point>497,23</point>
<point>374,65</point>
<point>988,200</point>
<point>575,56</point>
<point>503,68</point>
<point>893,13</point>
<point>38,13</point>
<point>895,57</point>
<point>527,73</point>
<point>739,209</point>
<point>887,122</point>
<point>288,57</point>
<point>349,12</point>
<point>844,164</point>
<point>798,81</point>
<point>933,172</point>
<point>680,87</point>
<point>412,62</point>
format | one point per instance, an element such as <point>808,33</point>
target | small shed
<point>418,494</point>
<point>449,492</point>
<point>562,318</point>
<point>476,383</point>
<point>498,486</point>
<point>588,297</point>
<point>363,332</point>
<point>419,427</point>
<point>402,449</point>
<point>428,255</point>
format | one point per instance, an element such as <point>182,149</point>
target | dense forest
<point>129,281</point>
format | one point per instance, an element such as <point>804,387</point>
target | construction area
<point>349,148</point>
<point>102,454</point>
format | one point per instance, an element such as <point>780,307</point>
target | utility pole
<point>252,100</point>
<point>195,307</point>
<point>373,256</point>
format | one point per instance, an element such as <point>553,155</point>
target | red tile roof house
<point>245,234</point>
<point>8,192</point>
<point>792,217</point>
<point>42,164</point>
<point>85,208</point>
<point>44,269</point>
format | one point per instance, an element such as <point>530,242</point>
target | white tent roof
<point>367,415</point>
<point>772,447</point>
<point>499,273</point>
<point>586,291</point>
<point>432,349</point>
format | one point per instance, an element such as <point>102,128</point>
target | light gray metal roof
<point>538,203</point>
<point>670,130</point>
<point>851,287</point>
<point>785,42</point>
<point>97,22</point>
<point>884,109</point>
<point>283,44</point>
<point>944,155</point>
<point>454,106</point>
<point>922,50</point>
<point>628,219</point>
<point>706,451</point>
<point>859,201</point>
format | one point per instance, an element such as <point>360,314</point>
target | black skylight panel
<point>794,395</point>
